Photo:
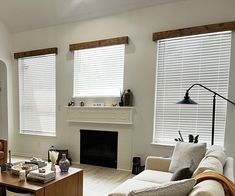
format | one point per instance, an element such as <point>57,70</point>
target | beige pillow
<point>184,153</point>
<point>209,163</point>
<point>173,188</point>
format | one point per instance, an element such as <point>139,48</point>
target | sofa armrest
<point>228,168</point>
<point>158,163</point>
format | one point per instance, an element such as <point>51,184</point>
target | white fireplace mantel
<point>100,114</point>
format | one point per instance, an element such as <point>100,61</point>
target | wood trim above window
<point>35,52</point>
<point>211,28</point>
<point>99,43</point>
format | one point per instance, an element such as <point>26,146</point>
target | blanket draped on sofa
<point>228,185</point>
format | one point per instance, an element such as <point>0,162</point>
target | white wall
<point>3,101</point>
<point>6,68</point>
<point>139,72</point>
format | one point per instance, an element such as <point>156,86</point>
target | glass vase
<point>64,163</point>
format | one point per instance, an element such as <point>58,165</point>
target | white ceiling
<point>22,15</point>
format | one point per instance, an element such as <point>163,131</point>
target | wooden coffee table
<point>66,184</point>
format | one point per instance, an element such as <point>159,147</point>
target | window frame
<point>157,140</point>
<point>51,52</point>
<point>98,44</point>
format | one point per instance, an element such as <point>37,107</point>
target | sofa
<point>158,174</point>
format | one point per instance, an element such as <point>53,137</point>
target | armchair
<point>3,151</point>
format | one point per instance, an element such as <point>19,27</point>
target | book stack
<point>41,177</point>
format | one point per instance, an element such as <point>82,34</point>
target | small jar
<point>64,163</point>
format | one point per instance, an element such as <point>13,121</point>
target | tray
<point>15,169</point>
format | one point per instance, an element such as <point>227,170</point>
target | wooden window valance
<point>99,43</point>
<point>35,52</point>
<point>194,30</point>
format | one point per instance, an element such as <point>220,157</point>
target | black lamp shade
<point>186,100</point>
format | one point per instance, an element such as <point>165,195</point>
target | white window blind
<point>181,62</point>
<point>37,90</point>
<point>98,72</point>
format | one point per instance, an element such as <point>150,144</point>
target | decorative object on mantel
<point>64,163</point>
<point>71,103</point>
<point>98,104</point>
<point>191,138</point>
<point>128,98</point>
<point>121,103</point>
<point>187,100</point>
<point>82,103</point>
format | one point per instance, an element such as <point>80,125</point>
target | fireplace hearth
<point>98,148</point>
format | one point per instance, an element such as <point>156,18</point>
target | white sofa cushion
<point>184,153</point>
<point>207,188</point>
<point>209,163</point>
<point>173,188</point>
<point>154,176</point>
<point>129,185</point>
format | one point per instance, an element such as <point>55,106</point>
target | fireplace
<point>98,147</point>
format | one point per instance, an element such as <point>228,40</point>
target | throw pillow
<point>184,153</point>
<point>183,173</point>
<point>217,152</point>
<point>174,188</point>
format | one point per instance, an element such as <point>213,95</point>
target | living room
<point>139,73</point>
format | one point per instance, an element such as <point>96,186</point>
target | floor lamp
<point>187,100</point>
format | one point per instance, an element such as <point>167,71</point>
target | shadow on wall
<point>3,101</point>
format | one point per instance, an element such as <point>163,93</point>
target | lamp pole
<point>213,121</point>
<point>187,100</point>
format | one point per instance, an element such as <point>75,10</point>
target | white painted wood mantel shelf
<point>100,114</point>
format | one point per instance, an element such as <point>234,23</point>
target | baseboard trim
<point>75,163</point>
<point>127,170</point>
<point>28,155</point>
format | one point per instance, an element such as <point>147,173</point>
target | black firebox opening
<point>98,148</point>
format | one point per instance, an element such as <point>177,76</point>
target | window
<point>37,91</point>
<point>181,62</point>
<point>98,72</point>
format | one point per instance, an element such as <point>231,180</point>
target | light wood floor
<point>98,181</point>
